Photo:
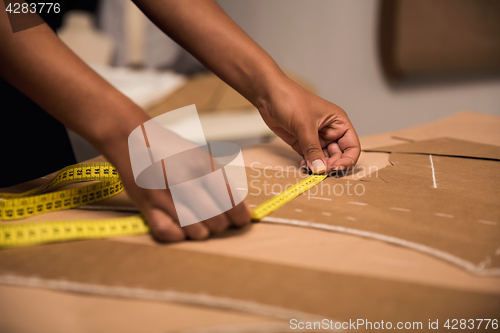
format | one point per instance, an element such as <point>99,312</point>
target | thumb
<point>313,154</point>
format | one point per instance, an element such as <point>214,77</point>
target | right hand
<point>316,129</point>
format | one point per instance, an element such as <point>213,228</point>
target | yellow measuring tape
<point>15,206</point>
<point>24,234</point>
<point>286,196</point>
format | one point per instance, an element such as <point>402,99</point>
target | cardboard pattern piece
<point>305,273</point>
<point>440,205</point>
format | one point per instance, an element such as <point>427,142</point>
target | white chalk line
<point>471,267</point>
<point>357,203</point>
<point>433,175</point>
<point>158,295</point>
<point>321,198</point>
<point>444,215</point>
<point>298,210</point>
<point>400,209</point>
<point>326,214</point>
<point>485,262</point>
<point>487,222</point>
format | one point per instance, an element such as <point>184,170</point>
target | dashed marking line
<point>444,215</point>
<point>484,263</point>
<point>241,188</point>
<point>252,206</point>
<point>320,198</point>
<point>400,209</point>
<point>298,210</point>
<point>357,203</point>
<point>326,214</point>
<point>487,222</point>
<point>350,218</point>
<point>433,175</point>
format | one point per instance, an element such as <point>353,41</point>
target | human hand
<point>318,130</point>
<point>202,196</point>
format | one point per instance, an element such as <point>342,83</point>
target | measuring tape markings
<point>38,233</point>
<point>21,205</point>
<point>33,202</point>
<point>286,196</point>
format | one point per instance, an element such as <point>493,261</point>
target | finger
<point>335,153</point>
<point>163,227</point>
<point>240,214</point>
<point>313,153</point>
<point>217,224</point>
<point>207,201</point>
<point>351,148</point>
<point>196,230</point>
<point>296,146</point>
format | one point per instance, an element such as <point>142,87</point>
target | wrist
<point>110,135</point>
<point>271,84</point>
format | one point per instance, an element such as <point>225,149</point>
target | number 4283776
<point>35,7</point>
<point>461,324</point>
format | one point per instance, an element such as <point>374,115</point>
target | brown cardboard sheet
<point>382,279</point>
<point>445,147</point>
<point>439,205</point>
<point>235,283</point>
<point>456,221</point>
<point>39,310</point>
<point>468,126</point>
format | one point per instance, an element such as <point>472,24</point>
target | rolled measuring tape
<point>15,206</point>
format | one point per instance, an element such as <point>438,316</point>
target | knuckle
<point>312,148</point>
<point>162,231</point>
<point>199,235</point>
<point>197,231</point>
<point>241,222</point>
<point>218,225</point>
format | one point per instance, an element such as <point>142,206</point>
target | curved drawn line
<point>476,269</point>
<point>159,295</point>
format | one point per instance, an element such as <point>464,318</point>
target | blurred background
<point>389,63</point>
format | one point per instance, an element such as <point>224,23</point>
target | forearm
<point>208,33</point>
<point>37,63</point>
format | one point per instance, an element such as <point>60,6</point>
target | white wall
<point>333,44</point>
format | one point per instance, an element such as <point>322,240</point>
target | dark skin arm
<point>37,63</point>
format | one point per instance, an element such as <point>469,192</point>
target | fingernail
<point>317,166</point>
